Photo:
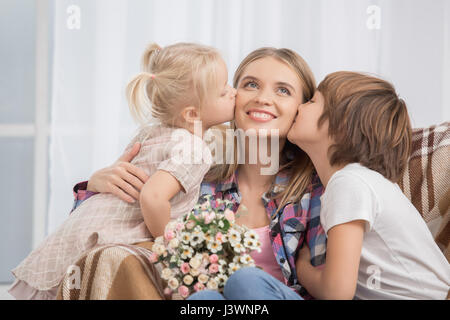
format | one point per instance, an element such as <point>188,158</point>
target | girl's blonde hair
<point>172,77</point>
<point>293,159</point>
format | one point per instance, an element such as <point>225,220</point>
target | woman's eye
<point>251,84</point>
<point>284,91</point>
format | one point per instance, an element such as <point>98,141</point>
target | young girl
<point>357,132</point>
<point>182,85</point>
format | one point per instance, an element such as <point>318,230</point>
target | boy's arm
<point>155,200</point>
<point>337,280</point>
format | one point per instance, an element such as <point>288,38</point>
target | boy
<point>357,133</point>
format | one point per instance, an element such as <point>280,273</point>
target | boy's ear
<point>190,114</point>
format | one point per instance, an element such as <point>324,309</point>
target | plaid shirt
<point>289,228</point>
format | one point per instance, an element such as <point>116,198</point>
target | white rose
<point>158,249</point>
<point>159,240</point>
<point>195,263</point>
<point>212,284</point>
<point>171,225</point>
<point>173,283</point>
<point>188,279</point>
<point>174,243</point>
<point>166,274</point>
<point>194,272</point>
<point>203,278</point>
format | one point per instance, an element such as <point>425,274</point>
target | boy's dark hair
<point>368,122</point>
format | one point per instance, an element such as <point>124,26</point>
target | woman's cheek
<point>289,119</point>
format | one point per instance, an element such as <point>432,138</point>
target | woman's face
<point>268,95</point>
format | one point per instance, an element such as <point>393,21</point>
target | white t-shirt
<point>399,258</point>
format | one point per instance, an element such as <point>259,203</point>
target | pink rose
<point>153,257</point>
<point>209,217</point>
<point>199,287</point>
<point>169,234</point>
<point>185,268</point>
<point>229,215</point>
<point>207,220</point>
<point>190,224</point>
<point>179,226</point>
<point>183,291</point>
<point>214,268</point>
<point>213,258</point>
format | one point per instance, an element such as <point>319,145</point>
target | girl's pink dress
<point>105,219</point>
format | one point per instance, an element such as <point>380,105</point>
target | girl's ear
<point>190,114</point>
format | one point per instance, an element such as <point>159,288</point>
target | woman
<point>283,207</point>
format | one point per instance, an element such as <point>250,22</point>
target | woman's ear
<point>190,114</point>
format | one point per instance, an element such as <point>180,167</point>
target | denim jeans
<point>250,284</point>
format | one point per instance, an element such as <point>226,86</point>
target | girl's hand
<point>122,179</point>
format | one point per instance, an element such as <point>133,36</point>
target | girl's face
<point>268,95</point>
<point>304,131</point>
<point>221,106</point>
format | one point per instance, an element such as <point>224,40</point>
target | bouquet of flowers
<point>203,248</point>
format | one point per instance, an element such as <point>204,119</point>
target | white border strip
<point>41,122</point>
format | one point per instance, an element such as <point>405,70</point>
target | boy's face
<point>305,131</point>
<point>220,109</point>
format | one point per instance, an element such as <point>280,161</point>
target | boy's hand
<point>304,255</point>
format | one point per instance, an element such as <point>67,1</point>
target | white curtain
<point>98,44</point>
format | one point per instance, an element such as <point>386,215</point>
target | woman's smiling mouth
<point>260,115</point>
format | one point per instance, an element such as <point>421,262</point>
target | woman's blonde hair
<point>172,77</point>
<point>293,159</point>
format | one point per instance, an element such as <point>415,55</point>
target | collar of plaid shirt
<point>289,228</point>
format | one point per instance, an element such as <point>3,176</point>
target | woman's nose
<point>264,98</point>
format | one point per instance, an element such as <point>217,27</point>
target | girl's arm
<point>155,200</point>
<point>337,280</point>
